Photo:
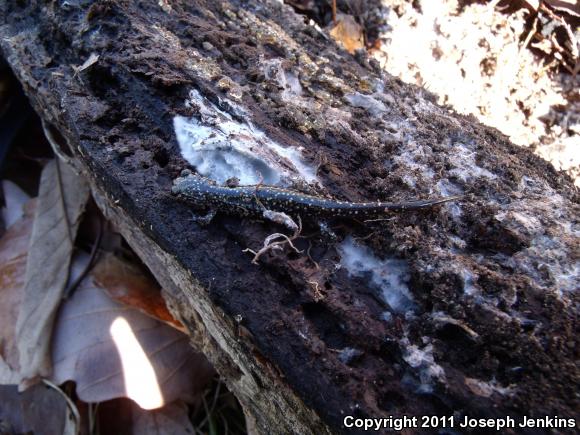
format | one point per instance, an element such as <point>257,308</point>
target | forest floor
<point>488,62</point>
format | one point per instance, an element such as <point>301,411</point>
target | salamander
<point>201,192</point>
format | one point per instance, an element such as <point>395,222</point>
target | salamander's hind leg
<point>281,218</point>
<point>203,220</point>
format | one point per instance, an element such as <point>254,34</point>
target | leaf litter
<point>91,340</point>
<point>82,345</point>
<point>489,61</point>
<point>56,220</point>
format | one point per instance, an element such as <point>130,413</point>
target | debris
<point>58,212</point>
<point>92,59</point>
<point>348,32</point>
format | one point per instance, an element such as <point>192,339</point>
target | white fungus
<point>424,362</point>
<point>372,105</point>
<point>390,275</point>
<point>221,147</point>
<point>465,167</point>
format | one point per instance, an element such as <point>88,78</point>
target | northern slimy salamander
<point>201,192</point>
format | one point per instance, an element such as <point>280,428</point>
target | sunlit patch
<point>141,383</point>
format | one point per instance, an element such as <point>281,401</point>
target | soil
<point>495,328</point>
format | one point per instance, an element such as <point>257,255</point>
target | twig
<point>73,409</point>
<point>73,286</point>
<point>310,257</point>
<point>318,296</point>
<point>368,236</point>
<point>56,148</point>
<point>93,418</point>
<point>379,220</point>
<point>530,35</point>
<point>210,410</point>
<point>257,186</point>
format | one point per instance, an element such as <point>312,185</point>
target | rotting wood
<point>300,341</point>
<point>260,389</point>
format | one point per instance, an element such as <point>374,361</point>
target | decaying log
<point>485,320</point>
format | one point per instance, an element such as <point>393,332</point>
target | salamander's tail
<point>421,203</point>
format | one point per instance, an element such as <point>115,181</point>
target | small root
<point>270,243</point>
<point>310,256</point>
<point>318,295</point>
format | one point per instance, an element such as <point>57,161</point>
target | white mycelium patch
<point>286,80</point>
<point>389,275</point>
<point>368,102</point>
<point>550,259</point>
<point>423,362</point>
<point>415,159</point>
<point>221,147</point>
<point>449,188</point>
<point>465,167</point>
<point>469,287</point>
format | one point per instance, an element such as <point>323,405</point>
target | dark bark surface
<point>492,328</point>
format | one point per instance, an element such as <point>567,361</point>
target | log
<point>468,309</point>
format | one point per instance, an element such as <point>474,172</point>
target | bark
<point>490,325</point>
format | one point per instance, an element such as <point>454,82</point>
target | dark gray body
<point>253,200</point>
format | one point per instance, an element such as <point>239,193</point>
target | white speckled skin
<point>252,200</point>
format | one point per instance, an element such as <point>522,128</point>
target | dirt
<point>496,317</point>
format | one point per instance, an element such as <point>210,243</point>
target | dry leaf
<point>533,4</point>
<point>13,253</point>
<point>172,419</point>
<point>348,32</point>
<point>570,6</point>
<point>127,284</point>
<point>15,199</point>
<point>111,351</point>
<point>47,265</point>
<point>39,410</point>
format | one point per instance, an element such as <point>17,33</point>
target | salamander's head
<point>190,187</point>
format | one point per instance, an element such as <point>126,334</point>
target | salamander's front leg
<point>203,220</point>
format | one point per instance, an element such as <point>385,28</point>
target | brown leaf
<point>570,6</point>
<point>38,410</point>
<point>13,253</point>
<point>111,350</point>
<point>15,198</point>
<point>127,284</point>
<point>47,265</point>
<point>348,32</point>
<point>172,419</point>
